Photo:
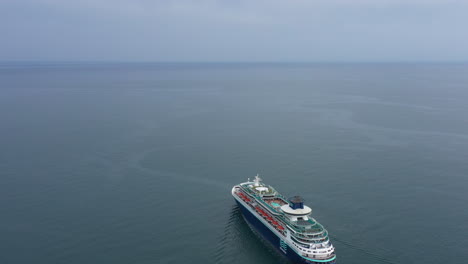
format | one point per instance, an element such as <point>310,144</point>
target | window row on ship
<point>299,239</point>
<point>306,245</point>
<point>312,251</point>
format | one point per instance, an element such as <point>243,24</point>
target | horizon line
<point>229,62</point>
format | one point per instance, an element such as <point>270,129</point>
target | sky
<point>234,30</point>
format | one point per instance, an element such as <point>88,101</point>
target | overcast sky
<point>234,30</point>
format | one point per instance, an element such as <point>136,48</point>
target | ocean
<point>134,162</point>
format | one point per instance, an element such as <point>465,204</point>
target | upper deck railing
<point>309,231</point>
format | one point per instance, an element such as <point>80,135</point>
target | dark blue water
<point>133,163</point>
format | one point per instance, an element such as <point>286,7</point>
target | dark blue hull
<point>271,237</point>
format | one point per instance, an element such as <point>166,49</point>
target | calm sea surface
<point>134,163</point>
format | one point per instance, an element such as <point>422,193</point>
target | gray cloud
<point>274,30</point>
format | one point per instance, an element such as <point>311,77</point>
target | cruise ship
<point>285,223</point>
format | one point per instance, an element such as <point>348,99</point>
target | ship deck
<point>306,234</point>
<point>305,230</point>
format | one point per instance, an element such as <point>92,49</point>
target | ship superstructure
<point>286,223</point>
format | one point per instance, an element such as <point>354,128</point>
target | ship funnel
<point>296,202</point>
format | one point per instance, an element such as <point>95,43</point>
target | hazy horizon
<point>241,31</point>
<point>228,62</point>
